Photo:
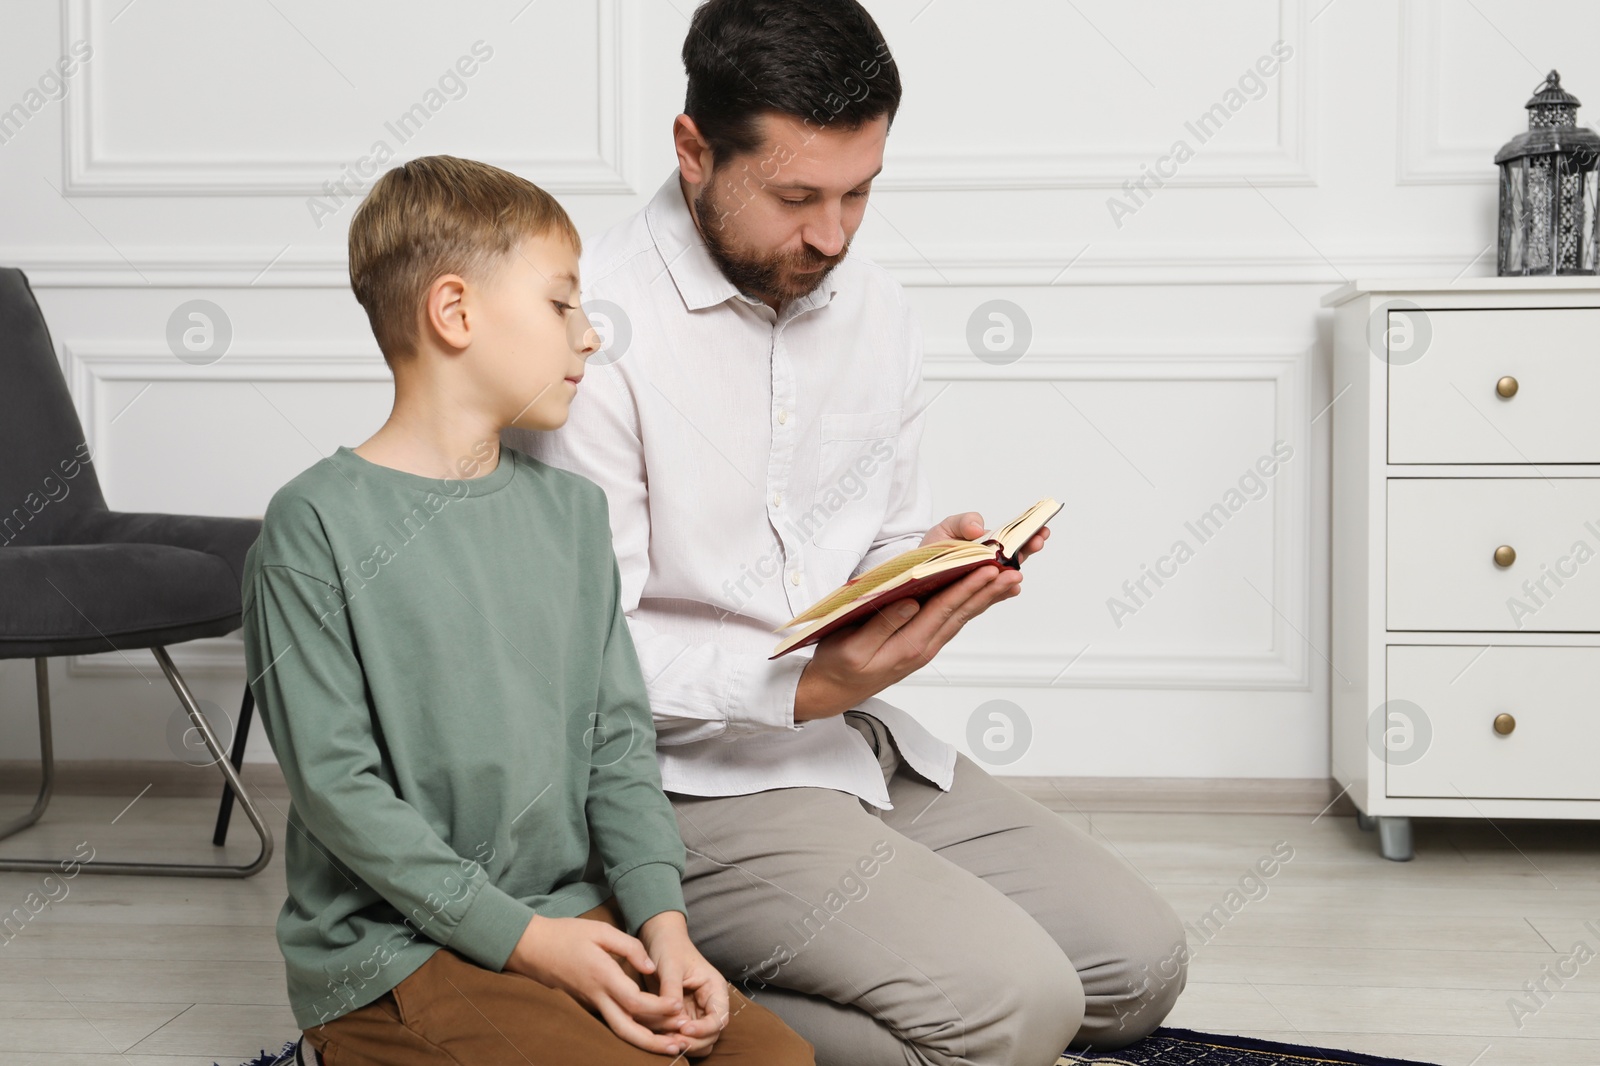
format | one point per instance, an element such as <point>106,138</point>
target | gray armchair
<point>77,578</point>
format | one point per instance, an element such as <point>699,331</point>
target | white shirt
<point>753,461</point>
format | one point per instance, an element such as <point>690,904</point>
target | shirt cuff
<point>647,890</point>
<point>491,928</point>
<point>760,695</point>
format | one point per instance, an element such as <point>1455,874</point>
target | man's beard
<point>773,277</point>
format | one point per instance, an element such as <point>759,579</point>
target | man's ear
<point>694,154</point>
<point>444,312</point>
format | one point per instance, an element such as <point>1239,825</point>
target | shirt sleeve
<point>630,819</point>
<point>309,684</point>
<point>698,690</point>
<point>909,515</point>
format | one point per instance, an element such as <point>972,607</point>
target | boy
<point>480,863</point>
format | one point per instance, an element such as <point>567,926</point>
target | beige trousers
<point>974,926</point>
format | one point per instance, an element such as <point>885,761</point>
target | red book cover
<point>919,589</point>
<point>1015,533</point>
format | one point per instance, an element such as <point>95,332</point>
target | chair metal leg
<point>241,734</point>
<point>159,869</point>
<point>41,683</point>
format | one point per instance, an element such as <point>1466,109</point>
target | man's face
<point>778,219</point>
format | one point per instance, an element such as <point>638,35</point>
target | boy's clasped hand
<point>688,1007</point>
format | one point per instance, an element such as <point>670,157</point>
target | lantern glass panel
<point>1514,216</point>
<point>1591,199</point>
<point>1540,214</point>
<point>1568,236</point>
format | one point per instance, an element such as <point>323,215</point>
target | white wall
<point>1172,345</point>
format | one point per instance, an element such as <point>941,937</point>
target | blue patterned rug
<point>1164,1047</point>
<point>1185,1047</point>
<point>281,1058</point>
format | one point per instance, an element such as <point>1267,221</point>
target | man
<point>755,422</point>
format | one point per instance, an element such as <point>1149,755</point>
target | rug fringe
<point>281,1058</point>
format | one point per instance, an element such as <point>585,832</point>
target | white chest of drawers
<point>1466,550</point>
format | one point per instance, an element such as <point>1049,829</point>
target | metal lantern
<point>1549,221</point>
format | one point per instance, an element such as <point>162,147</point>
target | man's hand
<point>680,969</point>
<point>969,526</point>
<point>579,956</point>
<point>863,660</point>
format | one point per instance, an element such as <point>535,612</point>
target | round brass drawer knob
<point>1504,556</point>
<point>1504,724</point>
<point>1506,386</point>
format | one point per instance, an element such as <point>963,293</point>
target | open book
<point>915,573</point>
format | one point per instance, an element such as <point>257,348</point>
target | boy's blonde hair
<point>439,215</point>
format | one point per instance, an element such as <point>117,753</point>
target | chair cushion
<point>73,599</point>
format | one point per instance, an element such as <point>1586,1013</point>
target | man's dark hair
<point>822,61</point>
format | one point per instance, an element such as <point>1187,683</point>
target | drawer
<point>1455,693</point>
<point>1443,534</point>
<point>1443,369</point>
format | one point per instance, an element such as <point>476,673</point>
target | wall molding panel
<point>1291,161</point>
<point>1419,157</point>
<point>1285,664</point>
<point>88,365</point>
<point>609,171</point>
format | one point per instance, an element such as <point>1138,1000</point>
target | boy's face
<point>530,337</point>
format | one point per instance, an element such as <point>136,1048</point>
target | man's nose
<point>826,231</point>
<point>826,235</point>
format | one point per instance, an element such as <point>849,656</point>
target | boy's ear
<point>694,154</point>
<point>444,312</point>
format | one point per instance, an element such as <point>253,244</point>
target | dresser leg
<point>1394,838</point>
<point>1366,822</point>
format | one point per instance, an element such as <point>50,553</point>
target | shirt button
<point>794,578</point>
<point>783,416</point>
<point>777,499</point>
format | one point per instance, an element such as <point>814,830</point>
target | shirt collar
<point>700,283</point>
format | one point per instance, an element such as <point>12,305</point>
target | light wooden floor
<point>1414,960</point>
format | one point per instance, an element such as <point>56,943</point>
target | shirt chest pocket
<point>855,469</point>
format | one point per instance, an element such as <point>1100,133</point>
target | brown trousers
<point>452,1010</point>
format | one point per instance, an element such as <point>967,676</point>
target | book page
<point>879,576</point>
<point>1017,532</point>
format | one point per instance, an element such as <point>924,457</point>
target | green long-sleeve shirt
<point>445,673</point>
